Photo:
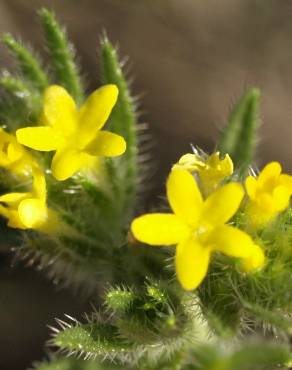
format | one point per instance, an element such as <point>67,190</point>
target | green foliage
<point>19,100</point>
<point>62,55</point>
<point>120,299</point>
<point>29,65</point>
<point>92,340</point>
<point>239,136</point>
<point>146,322</point>
<point>145,329</point>
<point>233,301</point>
<point>249,356</point>
<point>123,121</point>
<point>92,252</point>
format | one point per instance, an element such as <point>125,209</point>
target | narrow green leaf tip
<point>29,65</point>
<point>96,339</point>
<point>62,55</point>
<point>238,139</point>
<point>122,120</point>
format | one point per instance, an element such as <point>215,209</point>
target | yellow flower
<point>74,135</point>
<point>269,194</point>
<point>13,156</point>
<point>211,171</point>
<point>198,228</point>
<point>27,210</point>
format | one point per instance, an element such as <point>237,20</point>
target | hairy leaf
<point>239,136</point>
<point>62,55</point>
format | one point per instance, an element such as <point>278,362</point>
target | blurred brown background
<point>191,59</point>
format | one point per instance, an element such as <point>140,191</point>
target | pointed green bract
<point>30,67</point>
<point>119,299</point>
<point>239,136</point>
<point>95,339</point>
<point>62,55</point>
<point>122,121</point>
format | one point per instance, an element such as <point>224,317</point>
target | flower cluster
<point>201,190</point>
<point>202,225</point>
<point>75,136</point>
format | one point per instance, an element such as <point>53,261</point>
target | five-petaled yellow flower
<point>28,210</point>
<point>211,171</point>
<point>74,134</point>
<point>269,194</point>
<point>13,156</point>
<point>198,228</point>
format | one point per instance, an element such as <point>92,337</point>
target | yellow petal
<point>184,196</point>
<point>286,180</point>
<point>15,151</point>
<point>269,176</point>
<point>39,184</point>
<point>66,163</point>
<point>12,216</point>
<point>14,220</point>
<point>106,144</point>
<point>221,205</point>
<point>3,211</point>
<point>159,229</point>
<point>59,110</point>
<point>13,198</point>
<point>95,112</point>
<point>256,261</point>
<point>232,242</point>
<point>190,162</point>
<point>39,138</point>
<point>191,263</point>
<point>13,156</point>
<point>265,201</point>
<point>281,198</point>
<point>226,166</point>
<point>251,187</point>
<point>257,216</point>
<point>32,213</point>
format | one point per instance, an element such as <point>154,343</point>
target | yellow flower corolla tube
<point>211,171</point>
<point>28,210</point>
<point>198,228</point>
<point>269,194</point>
<point>13,156</point>
<point>74,134</point>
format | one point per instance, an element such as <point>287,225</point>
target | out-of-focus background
<point>191,60</point>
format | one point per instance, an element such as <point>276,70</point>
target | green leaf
<point>62,55</point>
<point>28,64</point>
<point>91,339</point>
<point>274,318</point>
<point>238,139</point>
<point>119,299</point>
<point>122,121</point>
